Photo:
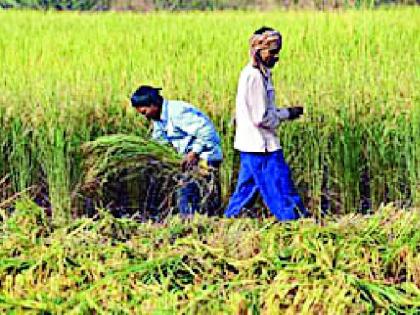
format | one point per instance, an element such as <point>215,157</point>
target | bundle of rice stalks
<point>109,155</point>
<point>129,175</point>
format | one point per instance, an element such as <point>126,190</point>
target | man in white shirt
<point>263,168</point>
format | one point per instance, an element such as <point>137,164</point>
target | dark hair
<point>146,95</point>
<point>263,29</point>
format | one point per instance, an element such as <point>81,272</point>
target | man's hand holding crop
<point>189,161</point>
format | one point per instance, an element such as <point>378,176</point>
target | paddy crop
<point>344,265</point>
<point>65,82</point>
<point>66,79</point>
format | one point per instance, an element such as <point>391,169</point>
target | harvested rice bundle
<point>109,155</point>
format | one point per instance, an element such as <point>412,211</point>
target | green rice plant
<point>354,71</point>
<point>18,155</point>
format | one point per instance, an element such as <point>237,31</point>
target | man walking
<point>263,168</point>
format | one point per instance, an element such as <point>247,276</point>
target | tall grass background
<point>66,78</point>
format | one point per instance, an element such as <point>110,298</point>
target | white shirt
<point>257,116</point>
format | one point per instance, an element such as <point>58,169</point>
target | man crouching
<point>193,135</point>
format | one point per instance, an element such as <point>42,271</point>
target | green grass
<point>66,79</point>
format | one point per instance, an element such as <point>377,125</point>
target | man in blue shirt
<point>193,135</point>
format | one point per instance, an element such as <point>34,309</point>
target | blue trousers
<point>188,197</point>
<point>268,174</point>
<point>200,193</point>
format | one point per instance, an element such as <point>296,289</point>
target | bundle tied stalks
<point>110,155</point>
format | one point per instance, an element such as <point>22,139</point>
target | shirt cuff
<point>282,113</point>
<point>197,148</point>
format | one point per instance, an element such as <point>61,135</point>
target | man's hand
<point>189,161</point>
<point>295,112</point>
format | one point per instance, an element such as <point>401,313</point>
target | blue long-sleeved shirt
<point>187,129</point>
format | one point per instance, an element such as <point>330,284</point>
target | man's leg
<point>188,198</point>
<point>150,207</point>
<point>245,188</point>
<point>276,186</point>
<point>211,191</point>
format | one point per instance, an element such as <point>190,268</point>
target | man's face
<point>151,112</point>
<point>270,57</point>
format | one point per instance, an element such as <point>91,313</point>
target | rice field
<point>350,265</point>
<point>66,77</point>
<point>65,80</point>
